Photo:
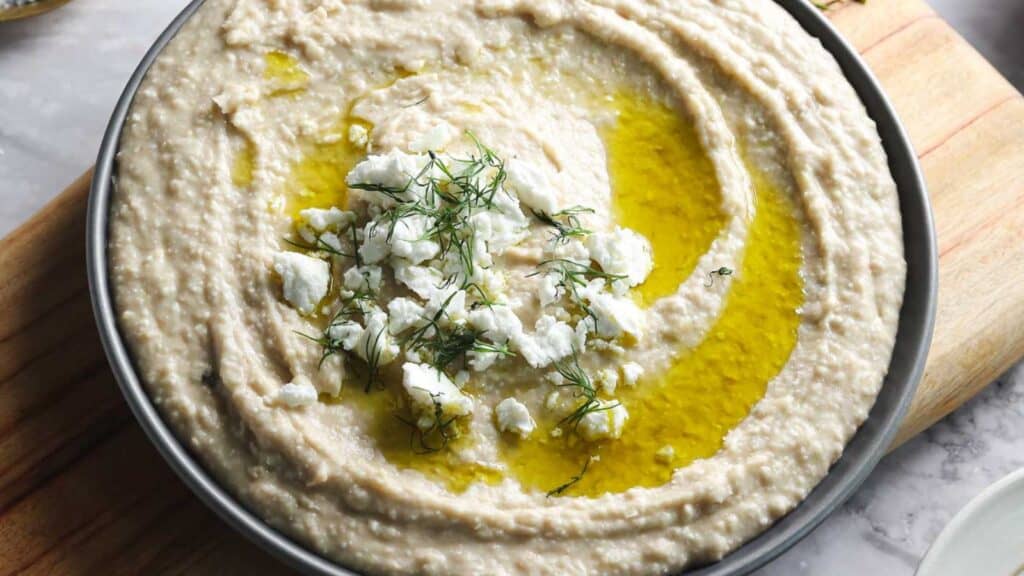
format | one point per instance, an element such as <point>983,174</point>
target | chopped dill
<point>565,222</point>
<point>446,345</point>
<point>572,481</point>
<point>574,377</point>
<point>373,351</point>
<point>721,273</point>
<point>318,246</point>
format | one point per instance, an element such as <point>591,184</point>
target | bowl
<point>986,537</point>
<point>846,475</point>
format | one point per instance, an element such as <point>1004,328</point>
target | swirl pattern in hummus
<point>755,379</point>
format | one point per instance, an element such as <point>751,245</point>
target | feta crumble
<point>615,314</point>
<point>514,417</point>
<point>551,341</point>
<point>375,345</point>
<point>429,389</point>
<point>622,252</point>
<point>532,186</point>
<point>298,392</point>
<point>498,323</point>
<point>346,334</point>
<point>403,314</point>
<point>423,281</point>
<point>631,373</point>
<point>606,423</point>
<point>608,378</point>
<point>409,239</point>
<point>392,170</point>
<point>332,219</point>
<point>375,246</point>
<point>305,279</point>
<point>362,278</point>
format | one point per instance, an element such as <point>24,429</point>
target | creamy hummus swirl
<point>247,117</point>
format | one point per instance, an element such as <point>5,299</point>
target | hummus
<point>507,286</point>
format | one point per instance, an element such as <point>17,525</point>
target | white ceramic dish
<point>986,538</point>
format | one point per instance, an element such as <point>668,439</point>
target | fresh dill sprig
<point>565,222</point>
<point>561,489</point>
<point>446,345</point>
<point>318,246</point>
<point>576,378</point>
<point>373,351</point>
<point>721,273</point>
<point>451,345</point>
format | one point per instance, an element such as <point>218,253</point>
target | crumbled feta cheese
<point>330,219</point>
<point>362,278</point>
<point>461,378</point>
<point>375,246</point>
<point>375,344</point>
<point>573,250</point>
<point>346,334</point>
<point>551,341</point>
<point>433,140</point>
<point>480,361</point>
<point>423,281</point>
<point>394,170</point>
<point>452,299</point>
<point>604,423</point>
<point>358,135</point>
<point>409,239</point>
<point>608,378</point>
<point>307,234</point>
<point>548,292</point>
<point>622,252</point>
<point>615,314</point>
<point>514,417</point>
<point>403,314</point>
<point>583,327</point>
<point>454,266</point>
<point>665,454</point>
<point>305,279</point>
<point>499,230</point>
<point>298,392</point>
<point>429,388</point>
<point>331,240</point>
<point>631,372</point>
<point>555,377</point>
<point>499,324</point>
<point>494,284</point>
<point>532,186</point>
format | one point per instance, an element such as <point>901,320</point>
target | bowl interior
<point>859,457</point>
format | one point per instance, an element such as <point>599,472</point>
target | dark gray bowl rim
<point>859,458</point>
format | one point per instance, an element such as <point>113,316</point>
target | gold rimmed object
<point>15,9</point>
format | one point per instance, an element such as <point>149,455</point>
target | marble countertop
<point>61,73</point>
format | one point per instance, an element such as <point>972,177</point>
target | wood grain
<point>83,492</point>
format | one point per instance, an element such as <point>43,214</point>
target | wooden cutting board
<point>83,492</point>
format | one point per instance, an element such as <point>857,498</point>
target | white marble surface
<point>61,73</point>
